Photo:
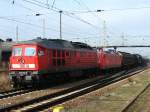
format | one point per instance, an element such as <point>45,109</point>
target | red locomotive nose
<point>24,57</point>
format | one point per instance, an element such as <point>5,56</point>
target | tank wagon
<point>38,60</point>
<point>130,60</point>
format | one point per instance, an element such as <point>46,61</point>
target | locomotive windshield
<point>30,51</point>
<point>17,51</point>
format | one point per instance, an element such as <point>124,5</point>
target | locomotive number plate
<point>22,65</point>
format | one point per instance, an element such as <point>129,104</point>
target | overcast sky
<point>126,21</point>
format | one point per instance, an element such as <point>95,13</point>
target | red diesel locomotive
<point>34,60</point>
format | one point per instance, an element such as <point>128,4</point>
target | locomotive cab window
<point>30,51</point>
<point>17,51</point>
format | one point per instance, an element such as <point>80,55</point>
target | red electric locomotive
<point>34,60</point>
<point>109,59</point>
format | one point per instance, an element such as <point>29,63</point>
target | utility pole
<point>17,33</point>
<point>60,12</point>
<point>123,39</point>
<point>43,28</point>
<point>104,33</point>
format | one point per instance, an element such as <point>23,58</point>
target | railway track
<point>15,92</point>
<point>50,100</point>
<point>133,101</point>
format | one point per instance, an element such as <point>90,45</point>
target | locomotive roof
<point>57,43</point>
<point>81,45</point>
<point>124,52</point>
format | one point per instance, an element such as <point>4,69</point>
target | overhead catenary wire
<point>72,15</point>
<point>53,3</point>
<point>30,10</point>
<point>38,26</point>
<point>106,10</point>
<point>124,9</point>
<point>74,33</point>
<point>43,14</point>
<point>79,2</point>
<point>22,6</point>
<point>111,9</point>
<point>40,2</point>
<point>31,24</point>
<point>67,14</point>
<point>47,2</point>
<point>87,8</point>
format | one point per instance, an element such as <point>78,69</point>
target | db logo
<point>21,61</point>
